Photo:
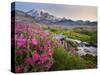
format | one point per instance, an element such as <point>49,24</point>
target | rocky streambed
<point>83,48</point>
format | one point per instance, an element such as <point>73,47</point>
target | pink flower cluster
<point>21,41</point>
<point>33,47</point>
<point>19,68</point>
<point>34,41</point>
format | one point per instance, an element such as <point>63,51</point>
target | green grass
<point>90,59</point>
<point>85,35</point>
<point>66,61</point>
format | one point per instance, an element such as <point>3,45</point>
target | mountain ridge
<point>42,16</point>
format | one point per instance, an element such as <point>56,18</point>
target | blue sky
<point>74,12</point>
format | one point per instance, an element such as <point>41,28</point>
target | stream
<point>83,47</point>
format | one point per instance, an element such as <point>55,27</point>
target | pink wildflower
<point>43,58</point>
<point>29,61</point>
<point>46,46</point>
<point>50,52</point>
<point>21,41</point>
<point>41,48</point>
<point>49,64</point>
<point>34,41</point>
<point>20,52</point>
<point>19,68</point>
<point>35,56</point>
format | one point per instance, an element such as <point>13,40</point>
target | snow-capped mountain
<point>43,16</point>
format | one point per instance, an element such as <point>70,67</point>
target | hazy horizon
<point>74,12</point>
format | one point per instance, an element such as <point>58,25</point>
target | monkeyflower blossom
<point>43,58</point>
<point>34,41</point>
<point>29,60</point>
<point>20,52</point>
<point>50,52</point>
<point>19,68</point>
<point>49,64</point>
<point>35,56</point>
<point>21,41</point>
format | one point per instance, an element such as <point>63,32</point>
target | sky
<point>74,12</point>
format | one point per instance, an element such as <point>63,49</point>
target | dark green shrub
<point>66,61</point>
